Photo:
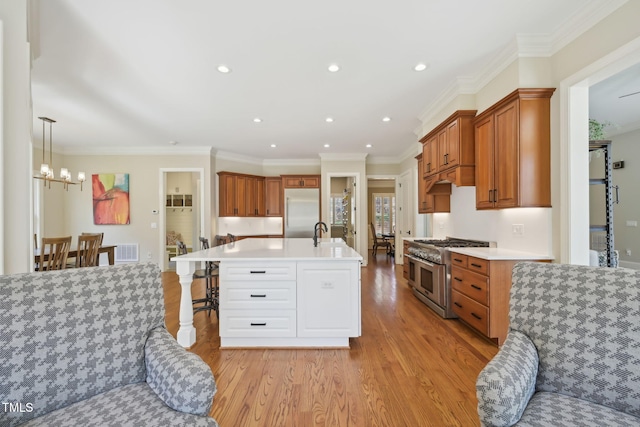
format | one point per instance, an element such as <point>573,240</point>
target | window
<point>384,208</point>
<point>337,209</point>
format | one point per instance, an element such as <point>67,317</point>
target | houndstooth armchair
<point>572,355</point>
<point>88,347</point>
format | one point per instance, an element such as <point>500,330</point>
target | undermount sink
<point>332,243</point>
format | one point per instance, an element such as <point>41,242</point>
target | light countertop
<point>501,254</point>
<point>274,249</point>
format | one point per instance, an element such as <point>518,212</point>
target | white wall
<point>145,195</point>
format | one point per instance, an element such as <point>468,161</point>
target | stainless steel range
<point>430,270</point>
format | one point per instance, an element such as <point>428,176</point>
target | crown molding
<point>343,157</point>
<point>522,46</point>
<point>134,151</point>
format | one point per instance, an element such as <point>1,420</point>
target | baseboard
<point>629,264</point>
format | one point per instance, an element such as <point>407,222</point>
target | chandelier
<point>46,169</point>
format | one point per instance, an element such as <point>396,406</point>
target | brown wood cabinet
<point>432,197</point>
<point>480,293</point>
<point>449,149</point>
<point>255,196</point>
<point>273,196</point>
<point>512,149</point>
<point>301,181</point>
<point>430,156</point>
<point>232,194</point>
<point>405,264</point>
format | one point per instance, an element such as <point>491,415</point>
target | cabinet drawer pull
<point>259,324</point>
<point>476,316</point>
<point>457,279</point>
<point>457,260</point>
<point>476,265</point>
<point>457,305</point>
<point>476,287</point>
<point>258,295</point>
<point>258,271</point>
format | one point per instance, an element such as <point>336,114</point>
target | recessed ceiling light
<point>273,145</point>
<point>173,142</point>
<point>328,120</point>
<point>326,146</point>
<point>257,120</point>
<point>368,145</point>
<point>223,69</point>
<point>386,119</point>
<point>420,67</point>
<point>334,68</point>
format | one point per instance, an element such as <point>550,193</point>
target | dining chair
<point>378,241</point>
<point>53,253</point>
<point>210,275</point>
<point>88,247</point>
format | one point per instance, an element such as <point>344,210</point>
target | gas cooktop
<point>451,242</point>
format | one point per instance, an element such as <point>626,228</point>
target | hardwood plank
<point>410,367</point>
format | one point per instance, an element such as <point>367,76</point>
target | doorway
<point>342,209</point>
<point>182,212</point>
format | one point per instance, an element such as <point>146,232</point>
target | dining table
<point>108,249</point>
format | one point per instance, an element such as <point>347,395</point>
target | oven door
<point>413,271</point>
<point>430,280</point>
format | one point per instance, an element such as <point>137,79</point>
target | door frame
<point>326,205</point>
<point>399,202</point>
<point>163,212</point>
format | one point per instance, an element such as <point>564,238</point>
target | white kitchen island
<point>279,293</point>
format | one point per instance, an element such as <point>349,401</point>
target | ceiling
<point>123,74</point>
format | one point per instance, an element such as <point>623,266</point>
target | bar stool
<point>210,274</point>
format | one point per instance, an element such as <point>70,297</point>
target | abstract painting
<point>110,198</point>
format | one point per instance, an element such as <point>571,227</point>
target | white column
<point>15,139</point>
<point>186,333</point>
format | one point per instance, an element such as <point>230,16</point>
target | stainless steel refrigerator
<point>301,211</point>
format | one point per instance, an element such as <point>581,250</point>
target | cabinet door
<point>273,196</point>
<point>311,182</point>
<point>293,182</point>
<point>422,192</point>
<point>328,297</point>
<point>442,150</point>
<point>484,163</point>
<point>430,156</point>
<point>227,189</point>
<point>255,196</point>
<point>507,156</point>
<point>260,196</point>
<point>453,144</point>
<point>241,195</point>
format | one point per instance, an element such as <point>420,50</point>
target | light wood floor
<point>409,367</point>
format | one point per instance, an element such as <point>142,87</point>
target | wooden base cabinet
<point>512,146</point>
<point>289,303</point>
<point>480,293</point>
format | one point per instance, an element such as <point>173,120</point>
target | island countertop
<point>270,249</point>
<point>501,254</point>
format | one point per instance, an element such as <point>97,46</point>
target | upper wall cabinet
<point>233,194</point>
<point>448,151</point>
<point>273,196</point>
<point>301,181</point>
<point>512,147</point>
<point>432,197</point>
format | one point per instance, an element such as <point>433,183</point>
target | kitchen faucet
<point>319,225</point>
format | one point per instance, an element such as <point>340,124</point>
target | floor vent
<point>126,252</point>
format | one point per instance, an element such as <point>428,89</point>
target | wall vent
<point>126,252</point>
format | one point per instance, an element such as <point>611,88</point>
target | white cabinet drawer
<point>258,295</point>
<point>258,271</point>
<point>257,323</point>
